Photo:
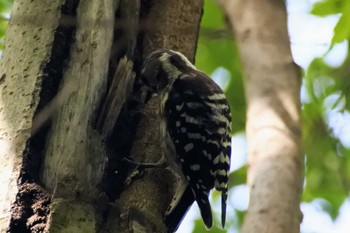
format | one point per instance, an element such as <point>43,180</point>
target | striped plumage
<point>196,125</point>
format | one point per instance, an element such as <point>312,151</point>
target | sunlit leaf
<point>5,6</point>
<point>238,177</point>
<point>328,7</point>
<point>213,17</point>
<point>342,29</point>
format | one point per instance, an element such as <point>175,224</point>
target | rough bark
<point>166,24</point>
<point>39,53</point>
<point>173,25</point>
<point>55,145</point>
<point>272,84</point>
<point>74,156</point>
<point>23,69</point>
<point>70,159</point>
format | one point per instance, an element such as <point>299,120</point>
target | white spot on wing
<point>216,160</point>
<point>194,135</point>
<point>188,147</point>
<point>222,172</point>
<point>217,106</point>
<point>195,167</point>
<point>194,105</point>
<point>222,159</point>
<point>206,154</point>
<point>179,107</point>
<point>218,96</point>
<point>220,118</point>
<point>213,142</point>
<point>221,131</point>
<point>190,119</point>
<point>219,185</point>
<point>226,144</point>
<point>225,159</point>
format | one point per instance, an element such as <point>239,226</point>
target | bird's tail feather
<point>205,209</point>
<point>223,207</point>
<point>174,219</point>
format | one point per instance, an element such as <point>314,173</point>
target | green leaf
<point>325,168</point>
<point>238,177</point>
<point>327,162</point>
<point>342,29</point>
<point>5,6</point>
<point>328,7</point>
<point>213,17</point>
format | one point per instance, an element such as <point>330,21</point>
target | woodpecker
<point>195,133</point>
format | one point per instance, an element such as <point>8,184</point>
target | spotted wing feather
<point>198,119</point>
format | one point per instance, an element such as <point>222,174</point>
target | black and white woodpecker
<point>195,133</point>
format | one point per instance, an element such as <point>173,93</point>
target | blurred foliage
<point>325,8</point>
<point>238,177</point>
<point>217,49</point>
<point>332,7</point>
<point>328,161</point>
<point>5,6</point>
<point>327,91</point>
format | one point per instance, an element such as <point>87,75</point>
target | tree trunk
<point>145,201</point>
<point>58,155</point>
<point>24,68</point>
<point>272,85</point>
